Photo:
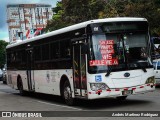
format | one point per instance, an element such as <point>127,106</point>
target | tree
<point>83,10</point>
<point>3,45</point>
<point>149,9</point>
<point>69,12</point>
<point>58,18</point>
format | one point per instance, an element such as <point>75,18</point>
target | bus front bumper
<point>116,92</point>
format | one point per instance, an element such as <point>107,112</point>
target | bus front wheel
<point>67,93</point>
<point>121,98</point>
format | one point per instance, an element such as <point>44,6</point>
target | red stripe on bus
<point>141,86</point>
<point>117,89</point>
<point>148,84</point>
<point>133,88</point>
<point>108,90</point>
<point>125,88</point>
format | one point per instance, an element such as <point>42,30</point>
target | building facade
<point>27,20</point>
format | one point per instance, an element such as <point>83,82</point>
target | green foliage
<point>3,45</point>
<point>149,9</point>
<point>57,21</point>
<point>68,12</point>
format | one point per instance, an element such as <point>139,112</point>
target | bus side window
<point>57,49</point>
<point>13,57</point>
<point>45,52</point>
<point>64,49</point>
<point>54,50</point>
<point>38,53</point>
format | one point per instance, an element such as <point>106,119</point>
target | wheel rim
<point>67,93</point>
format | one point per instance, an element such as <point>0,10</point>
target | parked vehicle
<point>1,75</point>
<point>156,64</point>
<point>4,76</point>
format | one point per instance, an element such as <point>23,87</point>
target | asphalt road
<point>10,100</point>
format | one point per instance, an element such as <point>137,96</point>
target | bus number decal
<point>98,78</point>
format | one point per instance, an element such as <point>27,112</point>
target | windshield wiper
<point>142,67</point>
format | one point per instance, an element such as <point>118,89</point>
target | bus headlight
<point>150,80</point>
<point>98,86</point>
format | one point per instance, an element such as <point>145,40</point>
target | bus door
<point>79,69</point>
<point>30,72</point>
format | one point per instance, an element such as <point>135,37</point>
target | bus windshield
<point>119,51</point>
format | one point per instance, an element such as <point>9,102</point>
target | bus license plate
<point>127,92</point>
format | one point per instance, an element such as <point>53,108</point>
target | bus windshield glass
<point>125,48</point>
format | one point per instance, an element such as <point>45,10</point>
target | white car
<point>156,64</point>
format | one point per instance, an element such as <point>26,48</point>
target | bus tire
<point>20,87</point>
<point>121,98</point>
<point>67,94</point>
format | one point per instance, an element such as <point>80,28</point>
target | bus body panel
<point>137,77</point>
<point>117,79</point>
<point>13,77</point>
<point>115,93</point>
<point>46,81</point>
<point>117,83</point>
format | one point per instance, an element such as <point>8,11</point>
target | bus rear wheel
<point>67,94</point>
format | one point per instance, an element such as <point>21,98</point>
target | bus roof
<point>76,26</point>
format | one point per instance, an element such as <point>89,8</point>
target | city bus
<point>95,59</point>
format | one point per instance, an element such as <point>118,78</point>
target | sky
<point>3,15</point>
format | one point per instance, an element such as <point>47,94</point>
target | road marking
<point>59,105</point>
